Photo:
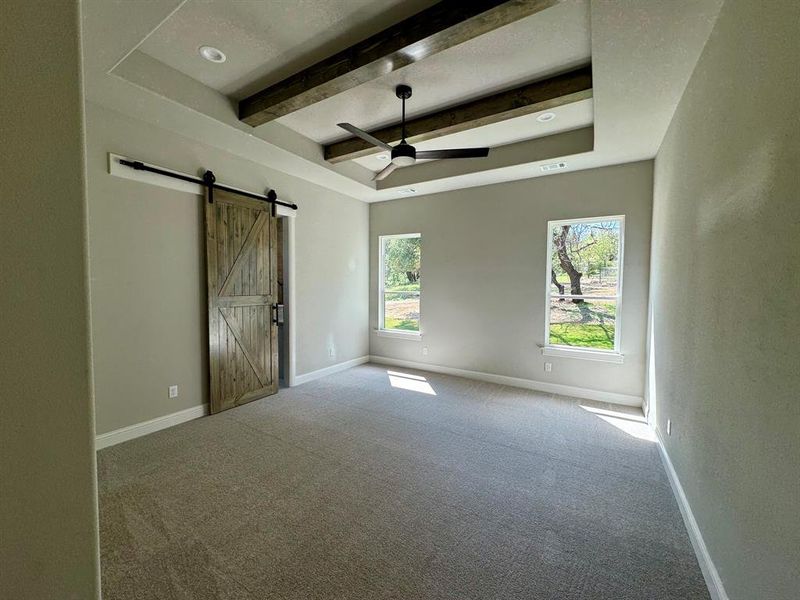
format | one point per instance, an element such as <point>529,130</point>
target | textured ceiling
<point>553,40</point>
<point>268,40</point>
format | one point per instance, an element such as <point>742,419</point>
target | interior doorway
<point>286,221</point>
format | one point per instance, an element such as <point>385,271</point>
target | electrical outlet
<point>173,391</point>
<point>669,426</point>
<point>548,367</point>
<point>424,351</point>
<point>331,352</point>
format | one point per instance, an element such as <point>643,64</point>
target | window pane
<point>585,258</point>
<point>401,266</point>
<point>401,310</point>
<point>583,323</point>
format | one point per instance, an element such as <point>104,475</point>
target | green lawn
<point>406,287</point>
<point>405,324</point>
<point>580,334</point>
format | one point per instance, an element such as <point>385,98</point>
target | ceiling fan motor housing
<point>404,154</point>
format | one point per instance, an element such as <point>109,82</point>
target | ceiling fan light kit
<point>404,154</point>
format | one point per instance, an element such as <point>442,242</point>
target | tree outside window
<point>401,282</point>
<point>584,283</point>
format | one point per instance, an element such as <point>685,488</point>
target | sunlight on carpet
<point>414,383</point>
<point>634,425</point>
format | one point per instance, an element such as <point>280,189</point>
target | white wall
<point>484,255</point>
<point>724,292</point>
<point>147,267</point>
<point>48,504</point>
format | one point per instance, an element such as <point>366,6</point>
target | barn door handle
<point>277,314</point>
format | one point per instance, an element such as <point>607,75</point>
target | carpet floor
<point>383,483</point>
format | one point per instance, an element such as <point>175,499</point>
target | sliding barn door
<point>241,250</point>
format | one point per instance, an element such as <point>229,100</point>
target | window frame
<point>381,329</point>
<point>585,351</point>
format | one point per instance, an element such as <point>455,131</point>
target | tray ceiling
<point>141,59</point>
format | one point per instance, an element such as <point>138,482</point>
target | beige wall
<point>484,270</point>
<point>48,513</point>
<point>147,267</point>
<point>725,288</point>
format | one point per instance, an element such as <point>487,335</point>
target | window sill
<point>403,335</point>
<point>598,355</point>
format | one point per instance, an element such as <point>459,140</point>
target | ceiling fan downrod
<point>404,93</point>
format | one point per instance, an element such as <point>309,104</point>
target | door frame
<point>289,303</point>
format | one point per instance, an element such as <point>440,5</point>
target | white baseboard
<point>124,434</point>
<point>342,366</point>
<point>713,580</point>
<point>530,384</point>
<point>104,440</point>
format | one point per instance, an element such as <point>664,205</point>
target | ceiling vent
<point>553,167</point>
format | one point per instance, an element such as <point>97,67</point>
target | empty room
<point>400,299</point>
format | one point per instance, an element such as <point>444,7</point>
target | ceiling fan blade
<point>385,172</point>
<point>454,153</point>
<point>365,136</point>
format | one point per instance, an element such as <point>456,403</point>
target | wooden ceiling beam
<point>524,100</point>
<point>442,26</point>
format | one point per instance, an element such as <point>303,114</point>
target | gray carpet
<point>348,487</point>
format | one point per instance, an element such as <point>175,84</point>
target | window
<point>399,283</point>
<point>584,284</point>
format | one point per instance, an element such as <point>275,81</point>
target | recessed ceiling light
<point>212,54</point>
<point>382,157</point>
<point>545,117</point>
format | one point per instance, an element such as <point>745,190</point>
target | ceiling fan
<point>404,154</point>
